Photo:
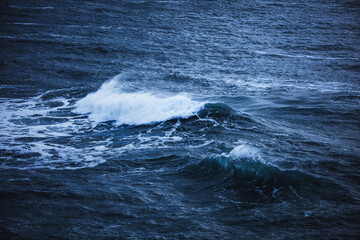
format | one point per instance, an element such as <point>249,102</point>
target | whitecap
<point>244,151</point>
<point>112,103</point>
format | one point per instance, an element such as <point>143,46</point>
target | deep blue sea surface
<point>189,119</point>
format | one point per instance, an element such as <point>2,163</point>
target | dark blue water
<point>180,119</point>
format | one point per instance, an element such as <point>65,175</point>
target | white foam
<point>52,156</point>
<point>111,102</point>
<point>243,151</point>
<point>30,139</point>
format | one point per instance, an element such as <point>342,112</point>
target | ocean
<point>188,119</point>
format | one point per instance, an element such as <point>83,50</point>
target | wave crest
<point>246,174</point>
<point>112,103</point>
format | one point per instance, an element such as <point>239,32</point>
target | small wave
<point>25,24</point>
<point>8,37</point>
<point>245,172</point>
<point>277,54</point>
<point>36,8</point>
<point>112,103</point>
<point>216,110</point>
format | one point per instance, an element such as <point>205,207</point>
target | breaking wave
<point>112,103</point>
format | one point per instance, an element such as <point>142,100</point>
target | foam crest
<point>112,103</point>
<point>244,151</point>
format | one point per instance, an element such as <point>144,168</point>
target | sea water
<point>179,119</point>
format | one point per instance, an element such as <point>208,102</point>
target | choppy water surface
<point>179,119</point>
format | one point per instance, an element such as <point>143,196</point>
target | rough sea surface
<point>189,119</point>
